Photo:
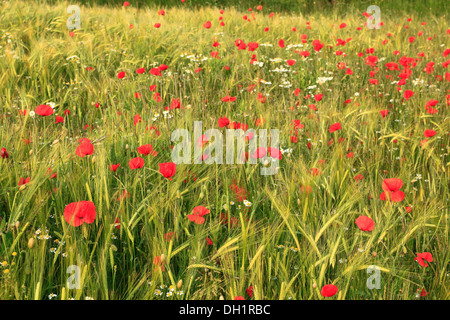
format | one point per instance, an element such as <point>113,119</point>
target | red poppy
<point>329,290</point>
<point>429,133</point>
<point>85,148</point>
<point>384,113</point>
<point>239,298</point>
<point>77,213</point>
<point>121,75</point>
<point>137,119</point>
<point>209,242</point>
<point>281,43</point>
<point>147,149</point>
<point>114,167</point>
<point>259,153</point>
<point>392,190</point>
<point>44,110</point>
<point>290,62</point>
<point>197,214</point>
<point>157,25</point>
<point>423,258</point>
<point>334,127</point>
<point>249,291</point>
<point>228,99</point>
<point>423,293</point>
<point>207,25</point>
<point>168,169</point>
<point>365,223</point>
<point>4,154</point>
<point>408,94</point>
<point>59,119</point>
<point>223,122</point>
<point>140,71</point>
<point>23,181</point>
<point>136,163</point>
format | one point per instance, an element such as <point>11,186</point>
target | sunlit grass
<point>288,243</point>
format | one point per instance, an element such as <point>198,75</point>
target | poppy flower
<point>384,113</point>
<point>44,110</point>
<point>423,293</point>
<point>157,25</point>
<point>85,148</point>
<point>275,153</point>
<point>223,122</point>
<point>423,258</point>
<point>137,119</point>
<point>4,154</point>
<point>329,290</point>
<point>136,163</point>
<point>281,43</point>
<point>146,149</point>
<point>318,97</point>
<point>121,75</point>
<point>209,242</point>
<point>23,181</point>
<point>334,127</point>
<point>249,291</point>
<point>59,119</point>
<point>408,94</point>
<point>77,213</point>
<point>429,133</point>
<point>392,190</point>
<point>140,71</point>
<point>239,298</point>
<point>290,62</point>
<point>197,214</point>
<point>114,167</point>
<point>207,25</point>
<point>259,153</point>
<point>365,223</point>
<point>159,262</point>
<point>168,169</point>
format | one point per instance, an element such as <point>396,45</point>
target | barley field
<point>93,205</point>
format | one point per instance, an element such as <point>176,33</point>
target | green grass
<point>288,243</point>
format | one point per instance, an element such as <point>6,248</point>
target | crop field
<point>244,151</point>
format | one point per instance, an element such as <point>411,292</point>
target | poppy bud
<point>126,146</point>
<point>31,152</point>
<point>31,243</point>
<point>201,195</point>
<point>298,201</point>
<point>163,258</point>
<point>179,284</point>
<point>221,297</point>
<point>178,194</point>
<point>22,187</point>
<point>17,224</point>
<point>55,142</point>
<point>113,248</point>
<point>266,163</point>
<point>374,254</point>
<point>93,159</point>
<point>314,285</point>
